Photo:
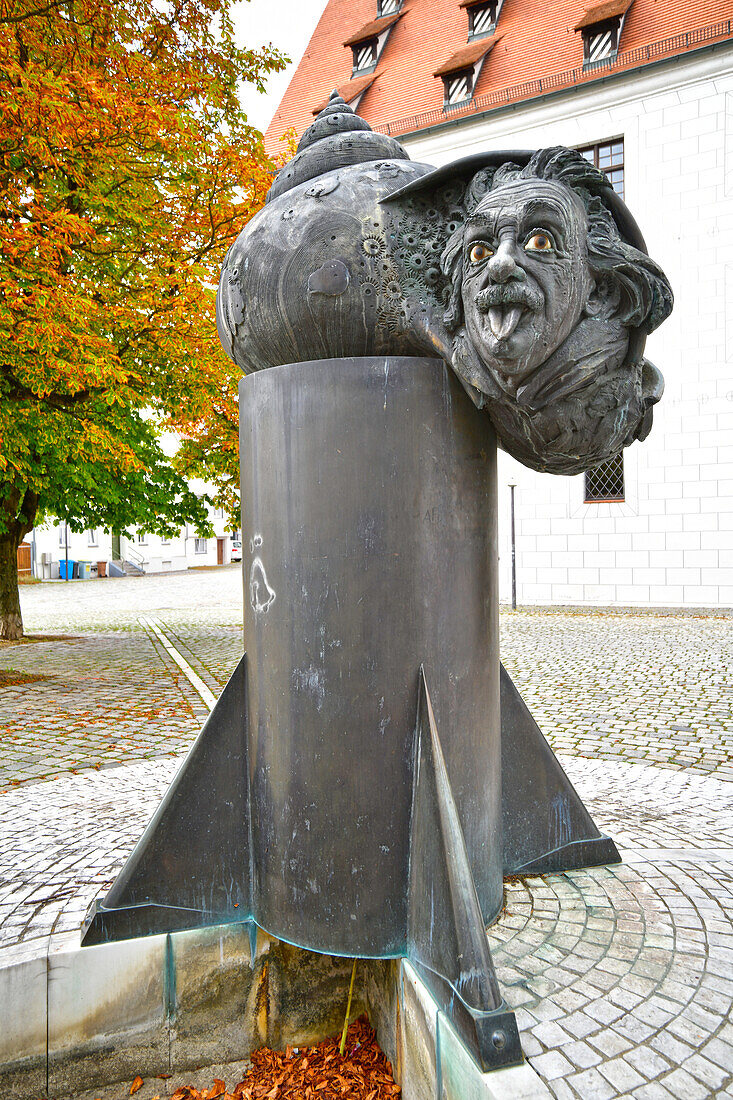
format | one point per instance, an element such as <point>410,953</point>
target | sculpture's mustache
<point>504,305</point>
<point>505,294</point>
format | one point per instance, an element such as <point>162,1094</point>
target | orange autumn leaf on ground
<point>136,1084</point>
<point>217,1089</point>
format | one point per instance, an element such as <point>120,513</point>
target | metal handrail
<point>134,555</point>
<point>580,75</point>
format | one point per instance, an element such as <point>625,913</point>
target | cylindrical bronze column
<point>369,549</point>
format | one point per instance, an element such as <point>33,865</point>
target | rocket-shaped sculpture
<point>370,773</point>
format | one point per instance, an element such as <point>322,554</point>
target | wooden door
<point>24,559</point>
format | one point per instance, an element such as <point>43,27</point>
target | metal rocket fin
<point>191,866</point>
<point>545,824</point>
<point>447,941</point>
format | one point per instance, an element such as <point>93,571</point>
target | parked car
<point>236,549</point>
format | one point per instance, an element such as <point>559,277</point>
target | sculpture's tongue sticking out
<point>504,320</point>
<point>507,307</point>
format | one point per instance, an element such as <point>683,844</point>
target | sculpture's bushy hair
<point>639,287</point>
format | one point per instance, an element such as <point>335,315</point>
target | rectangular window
<point>164,540</point>
<point>387,7</point>
<point>199,546</point>
<point>606,482</point>
<point>458,87</point>
<point>599,45</point>
<point>92,537</point>
<point>600,41</point>
<point>63,530</point>
<point>365,55</point>
<point>142,538</point>
<point>481,19</point>
<point>609,157</point>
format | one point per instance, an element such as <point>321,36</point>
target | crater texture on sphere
<point>313,276</point>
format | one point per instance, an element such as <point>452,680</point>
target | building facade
<point>647,94</point>
<point>106,554</point>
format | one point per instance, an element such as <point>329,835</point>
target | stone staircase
<point>126,568</point>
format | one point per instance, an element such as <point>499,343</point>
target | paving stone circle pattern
<point>621,977</point>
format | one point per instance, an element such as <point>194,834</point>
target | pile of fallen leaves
<point>312,1073</point>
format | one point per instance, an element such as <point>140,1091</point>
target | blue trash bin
<point>62,569</point>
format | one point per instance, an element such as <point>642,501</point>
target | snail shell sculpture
<point>524,271</point>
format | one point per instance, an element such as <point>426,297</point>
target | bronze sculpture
<point>376,774</point>
<point>526,273</point>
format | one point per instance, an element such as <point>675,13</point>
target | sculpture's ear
<point>604,299</point>
<point>626,277</point>
<point>451,263</point>
<point>652,388</point>
<point>652,383</point>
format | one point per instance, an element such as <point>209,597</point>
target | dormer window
<point>460,72</point>
<point>365,55</point>
<point>481,19</point>
<point>482,16</point>
<point>367,44</point>
<point>387,7</point>
<point>601,28</point>
<point>458,87</point>
<point>601,41</point>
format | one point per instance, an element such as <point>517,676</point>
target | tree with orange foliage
<point>210,431</point>
<point>126,169</point>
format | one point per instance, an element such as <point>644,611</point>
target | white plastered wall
<point>671,542</point>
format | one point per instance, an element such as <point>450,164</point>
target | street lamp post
<point>512,487</point>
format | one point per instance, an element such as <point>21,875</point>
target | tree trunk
<point>17,515</point>
<point>11,621</point>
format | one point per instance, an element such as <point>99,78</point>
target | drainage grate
<point>606,482</point>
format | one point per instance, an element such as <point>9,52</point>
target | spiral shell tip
<point>337,138</point>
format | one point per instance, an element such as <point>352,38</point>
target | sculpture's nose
<point>503,266</point>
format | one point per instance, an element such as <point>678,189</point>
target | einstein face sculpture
<point>526,279</point>
<point>549,307</point>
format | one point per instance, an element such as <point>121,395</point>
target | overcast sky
<point>288,24</point>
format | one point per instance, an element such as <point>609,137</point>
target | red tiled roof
<point>607,9</point>
<point>371,30</point>
<point>467,56</point>
<point>538,51</point>
<point>349,91</point>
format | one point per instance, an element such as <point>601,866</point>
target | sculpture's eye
<point>479,253</point>
<point>539,242</point>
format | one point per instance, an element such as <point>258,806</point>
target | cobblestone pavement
<point>113,693</point>
<point>622,977</point>
<point>641,687</point>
